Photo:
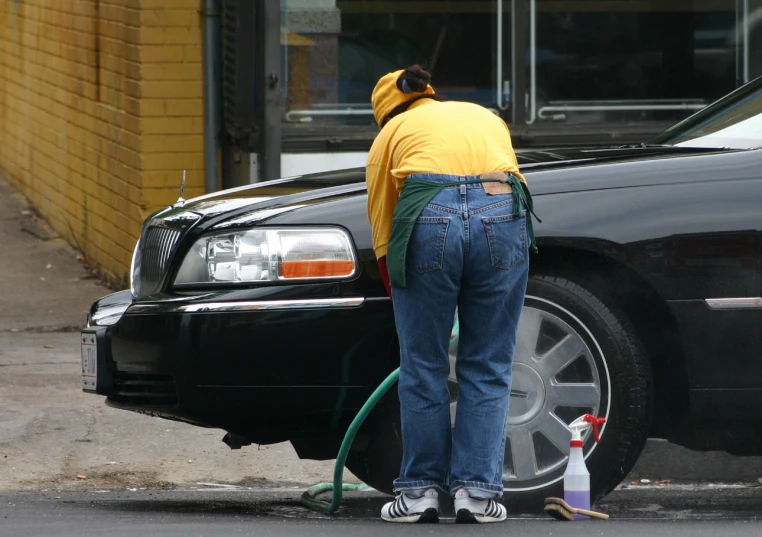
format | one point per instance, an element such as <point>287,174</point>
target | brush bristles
<point>558,512</point>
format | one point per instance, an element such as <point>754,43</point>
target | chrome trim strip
<point>108,315</point>
<point>734,303</point>
<point>215,307</point>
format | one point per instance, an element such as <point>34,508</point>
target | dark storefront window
<point>609,65</point>
<point>337,50</point>
<point>614,61</point>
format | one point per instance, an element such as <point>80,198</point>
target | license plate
<point>89,361</point>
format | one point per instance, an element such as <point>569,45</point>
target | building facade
<point>559,72</point>
<point>103,103</point>
<point>100,111</point>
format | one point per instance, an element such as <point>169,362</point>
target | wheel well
<point>617,285</point>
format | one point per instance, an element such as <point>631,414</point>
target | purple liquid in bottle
<point>579,499</point>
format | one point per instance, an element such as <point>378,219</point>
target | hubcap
<point>555,380</point>
<point>527,394</point>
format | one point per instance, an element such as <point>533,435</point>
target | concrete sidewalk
<point>55,437</point>
<point>50,431</point>
<point>44,287</point>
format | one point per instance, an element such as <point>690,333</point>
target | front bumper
<point>98,377</point>
<point>266,367</point>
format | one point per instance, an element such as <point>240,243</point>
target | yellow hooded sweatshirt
<point>452,137</point>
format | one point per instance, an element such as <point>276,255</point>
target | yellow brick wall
<point>100,111</point>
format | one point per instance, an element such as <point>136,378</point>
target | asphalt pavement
<point>665,511</point>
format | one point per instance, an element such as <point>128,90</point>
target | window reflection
<point>735,121</point>
<point>608,62</point>
<point>336,50</point>
<point>614,61</point>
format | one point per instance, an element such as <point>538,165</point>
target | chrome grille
<point>156,247</point>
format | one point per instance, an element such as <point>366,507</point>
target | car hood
<point>300,189</point>
<point>595,168</point>
<point>253,203</point>
<point>547,171</point>
<point>564,158</point>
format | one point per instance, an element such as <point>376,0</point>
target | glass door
<point>754,33</point>
<point>624,61</point>
<point>334,52</point>
<point>504,60</point>
<point>751,36</point>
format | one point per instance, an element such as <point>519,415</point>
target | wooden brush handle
<point>593,514</point>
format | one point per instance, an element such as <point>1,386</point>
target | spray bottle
<point>576,477</point>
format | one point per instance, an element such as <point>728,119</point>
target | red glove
<point>385,275</point>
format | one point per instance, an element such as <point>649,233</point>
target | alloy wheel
<point>556,378</point>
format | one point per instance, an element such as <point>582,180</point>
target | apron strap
<point>522,197</point>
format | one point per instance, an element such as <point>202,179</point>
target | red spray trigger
<point>595,422</point>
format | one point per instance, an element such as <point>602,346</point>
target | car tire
<point>626,395</point>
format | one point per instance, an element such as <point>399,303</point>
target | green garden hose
<point>309,497</point>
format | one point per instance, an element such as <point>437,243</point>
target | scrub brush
<point>560,510</point>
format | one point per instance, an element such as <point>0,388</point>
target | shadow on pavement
<point>679,502</point>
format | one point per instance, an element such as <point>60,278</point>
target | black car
<point>260,310</point>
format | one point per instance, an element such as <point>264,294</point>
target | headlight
<point>269,255</point>
<point>135,271</point>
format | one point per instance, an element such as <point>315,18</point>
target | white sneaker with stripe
<point>470,510</point>
<point>411,510</point>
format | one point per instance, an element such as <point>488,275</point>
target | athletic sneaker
<point>470,510</point>
<point>411,510</point>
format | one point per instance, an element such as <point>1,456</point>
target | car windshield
<point>733,122</point>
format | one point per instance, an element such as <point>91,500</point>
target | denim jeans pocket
<point>427,244</point>
<point>507,238</point>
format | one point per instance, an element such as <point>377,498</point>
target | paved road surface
<point>671,511</point>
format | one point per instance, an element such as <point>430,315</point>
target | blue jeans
<point>469,251</point>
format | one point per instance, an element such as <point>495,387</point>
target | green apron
<point>416,195</point>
